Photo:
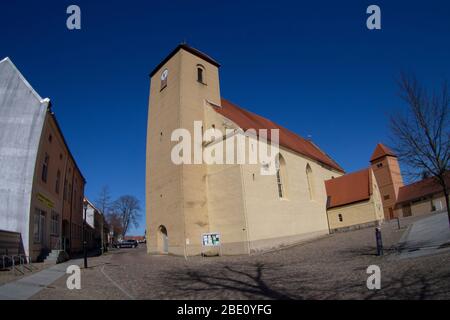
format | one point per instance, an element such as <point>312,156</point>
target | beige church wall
<point>226,208</point>
<point>226,205</point>
<point>164,202</point>
<point>192,97</point>
<point>176,196</point>
<point>275,222</point>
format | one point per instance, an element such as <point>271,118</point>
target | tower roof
<point>381,151</point>
<point>187,48</point>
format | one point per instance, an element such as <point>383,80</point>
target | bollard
<point>398,223</point>
<point>379,241</point>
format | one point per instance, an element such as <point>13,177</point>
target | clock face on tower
<point>164,74</point>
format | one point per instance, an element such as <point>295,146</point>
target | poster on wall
<point>210,239</point>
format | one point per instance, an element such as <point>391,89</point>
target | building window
<point>281,175</point>
<point>340,217</point>
<point>39,225</point>
<point>200,74</point>
<point>50,138</point>
<point>36,228</point>
<point>279,184</point>
<point>164,76</point>
<point>55,223</point>
<point>310,178</point>
<point>45,167</point>
<point>69,195</point>
<point>386,197</point>
<point>379,165</point>
<point>58,181</point>
<point>65,189</point>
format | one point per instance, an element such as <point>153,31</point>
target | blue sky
<point>336,80</point>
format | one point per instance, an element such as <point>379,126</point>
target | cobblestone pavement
<point>333,267</point>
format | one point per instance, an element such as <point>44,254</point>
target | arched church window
<point>281,176</point>
<point>310,178</point>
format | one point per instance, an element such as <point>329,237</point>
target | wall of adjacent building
<point>389,180</point>
<point>424,206</point>
<point>359,214</point>
<point>22,115</point>
<point>46,200</point>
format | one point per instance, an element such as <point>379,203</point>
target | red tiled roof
<point>349,188</point>
<point>419,189</point>
<point>380,151</point>
<point>249,120</point>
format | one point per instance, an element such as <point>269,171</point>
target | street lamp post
<point>85,205</point>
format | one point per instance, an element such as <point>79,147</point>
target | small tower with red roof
<point>386,169</point>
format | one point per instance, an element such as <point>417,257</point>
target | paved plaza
<point>333,267</point>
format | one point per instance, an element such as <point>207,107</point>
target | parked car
<point>127,244</point>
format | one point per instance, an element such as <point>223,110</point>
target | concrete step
<point>56,256</point>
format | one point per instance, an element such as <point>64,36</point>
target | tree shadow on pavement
<point>247,280</point>
<point>258,281</point>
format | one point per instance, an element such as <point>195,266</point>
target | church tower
<point>386,169</point>
<point>176,201</point>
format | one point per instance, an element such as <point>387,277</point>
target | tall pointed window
<point>281,176</point>
<point>310,178</point>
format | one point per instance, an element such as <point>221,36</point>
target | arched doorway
<point>163,240</point>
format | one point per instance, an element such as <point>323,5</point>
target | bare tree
<point>422,133</point>
<point>127,209</point>
<point>115,224</point>
<point>103,201</point>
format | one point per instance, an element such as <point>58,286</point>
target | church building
<point>225,208</point>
